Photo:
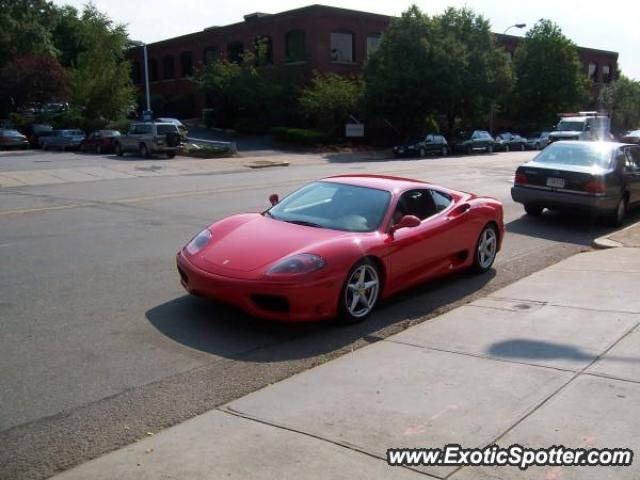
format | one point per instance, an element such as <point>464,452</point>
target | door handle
<point>460,210</point>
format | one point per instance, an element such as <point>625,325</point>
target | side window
<point>429,139</point>
<point>419,203</point>
<point>441,200</point>
<point>133,130</point>
<point>632,161</point>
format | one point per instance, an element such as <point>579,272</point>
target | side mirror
<point>274,198</point>
<point>408,221</point>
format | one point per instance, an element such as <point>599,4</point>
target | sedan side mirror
<point>408,221</point>
<point>274,198</point>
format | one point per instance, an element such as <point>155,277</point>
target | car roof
<point>380,182</point>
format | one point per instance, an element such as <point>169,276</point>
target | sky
<point>606,25</point>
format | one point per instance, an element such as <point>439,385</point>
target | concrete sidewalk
<point>553,359</point>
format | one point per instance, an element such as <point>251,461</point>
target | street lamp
<point>138,43</point>
<point>516,25</point>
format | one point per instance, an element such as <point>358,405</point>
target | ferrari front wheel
<point>486,249</point>
<point>360,292</point>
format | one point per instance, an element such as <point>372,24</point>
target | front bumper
<point>292,301</point>
<point>564,200</point>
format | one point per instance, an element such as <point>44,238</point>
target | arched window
<point>295,46</point>
<point>263,50</point>
<point>186,63</point>
<point>209,55</point>
<point>235,51</point>
<point>153,70</point>
<point>342,47</point>
<point>136,73</point>
<point>168,68</point>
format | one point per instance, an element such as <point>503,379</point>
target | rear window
<point>582,154</point>
<point>166,128</point>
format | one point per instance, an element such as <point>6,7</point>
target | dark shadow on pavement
<point>538,350</point>
<point>565,227</point>
<point>214,328</point>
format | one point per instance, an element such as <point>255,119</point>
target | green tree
<point>100,73</point>
<point>24,29</point>
<point>244,95</point>
<point>550,78</point>
<point>449,64</point>
<point>330,99</point>
<point>621,98</point>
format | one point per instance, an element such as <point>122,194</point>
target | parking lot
<point>99,336</point>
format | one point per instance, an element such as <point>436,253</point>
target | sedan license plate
<point>554,182</point>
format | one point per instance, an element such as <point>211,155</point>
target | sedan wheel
<point>99,149</point>
<point>507,148</point>
<point>360,293</point>
<point>118,149</point>
<point>144,151</point>
<point>444,151</point>
<point>422,153</point>
<point>621,212</point>
<point>522,148</point>
<point>486,249</point>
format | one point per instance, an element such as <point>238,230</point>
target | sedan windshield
<point>593,154</point>
<point>334,205</point>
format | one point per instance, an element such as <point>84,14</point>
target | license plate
<point>554,182</point>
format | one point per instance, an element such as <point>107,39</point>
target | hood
<point>260,241</point>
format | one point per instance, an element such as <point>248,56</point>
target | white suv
<point>147,138</point>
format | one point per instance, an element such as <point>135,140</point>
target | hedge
<point>299,136</point>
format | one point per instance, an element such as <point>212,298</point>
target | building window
<point>593,72</point>
<point>136,73</point>
<point>606,73</point>
<point>153,70</point>
<point>168,68</point>
<point>235,51</point>
<point>263,50</point>
<point>186,62</point>
<point>373,41</point>
<point>342,47</point>
<point>295,46</point>
<point>209,55</point>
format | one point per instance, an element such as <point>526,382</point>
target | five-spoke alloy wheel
<point>486,249</point>
<point>360,293</point>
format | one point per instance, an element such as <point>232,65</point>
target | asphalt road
<point>99,345</point>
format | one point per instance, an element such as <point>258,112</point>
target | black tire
<point>490,149</point>
<point>118,150</point>
<point>445,151</point>
<point>533,210</point>
<point>468,150</point>
<point>507,148</point>
<point>522,147</point>
<point>422,153</point>
<point>171,154</point>
<point>83,148</point>
<point>99,149</point>
<point>143,150</point>
<point>482,261</point>
<point>345,312</point>
<point>620,213</point>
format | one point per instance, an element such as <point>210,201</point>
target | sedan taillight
<point>595,187</point>
<point>521,179</point>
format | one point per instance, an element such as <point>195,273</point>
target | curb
<point>605,242</point>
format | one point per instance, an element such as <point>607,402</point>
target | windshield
<point>581,154</point>
<point>334,205</point>
<point>566,126</point>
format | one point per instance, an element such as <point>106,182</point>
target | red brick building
<point>316,37</point>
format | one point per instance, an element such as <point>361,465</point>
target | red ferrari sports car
<point>338,245</point>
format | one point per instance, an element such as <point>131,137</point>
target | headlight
<point>198,242</point>
<point>301,263</point>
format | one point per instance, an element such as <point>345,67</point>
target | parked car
<point>63,139</point>
<point>474,141</point>
<point>100,141</point>
<point>148,138</point>
<point>34,131</point>
<point>596,177</point>
<point>631,137</point>
<point>589,126</point>
<point>510,141</point>
<point>336,246</point>
<point>11,138</point>
<point>538,140</point>
<point>422,145</point>
<point>184,131</point>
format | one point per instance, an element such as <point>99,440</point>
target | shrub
<point>299,136</point>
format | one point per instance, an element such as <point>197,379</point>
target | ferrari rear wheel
<point>486,249</point>
<point>360,292</point>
